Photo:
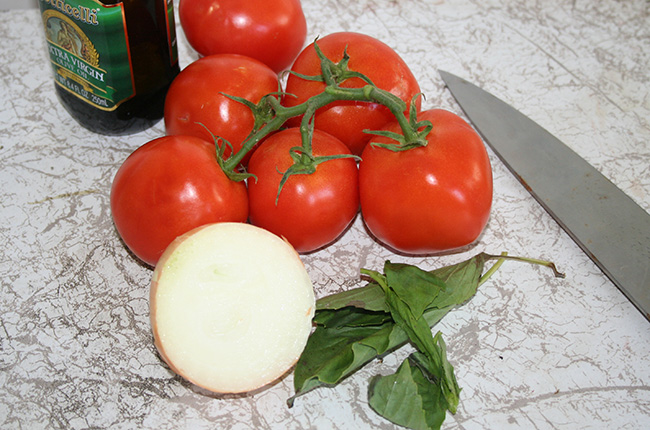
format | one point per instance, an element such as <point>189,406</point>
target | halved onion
<point>231,307</point>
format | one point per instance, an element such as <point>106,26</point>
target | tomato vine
<point>270,115</point>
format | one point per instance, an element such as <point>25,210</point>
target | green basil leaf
<point>350,317</point>
<point>331,354</point>
<point>416,287</point>
<point>369,297</point>
<point>462,281</point>
<point>432,349</point>
<point>442,373</point>
<point>408,398</point>
<point>356,326</point>
<point>346,338</point>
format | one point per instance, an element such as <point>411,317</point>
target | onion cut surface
<point>231,307</point>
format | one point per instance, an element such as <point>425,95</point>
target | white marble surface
<point>530,350</point>
<point>18,4</point>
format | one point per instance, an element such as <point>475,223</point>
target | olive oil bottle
<point>113,60</point>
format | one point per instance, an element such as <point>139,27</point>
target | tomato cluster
<point>231,155</point>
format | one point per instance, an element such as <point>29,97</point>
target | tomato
<point>346,120</point>
<point>166,188</point>
<point>272,31</point>
<point>313,209</point>
<point>194,100</point>
<point>432,198</point>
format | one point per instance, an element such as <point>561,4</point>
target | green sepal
<point>232,174</point>
<point>420,131</point>
<point>263,111</point>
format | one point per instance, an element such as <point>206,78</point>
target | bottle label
<point>87,43</point>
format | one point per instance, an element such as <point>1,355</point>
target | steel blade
<point>605,222</point>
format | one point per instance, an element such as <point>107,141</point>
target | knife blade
<point>606,223</point>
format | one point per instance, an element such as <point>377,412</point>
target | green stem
<point>332,75</point>
<point>504,256</point>
<point>375,276</point>
<point>308,109</point>
<point>370,93</point>
<point>492,269</point>
<point>282,115</point>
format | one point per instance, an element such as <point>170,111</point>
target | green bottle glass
<point>113,60</point>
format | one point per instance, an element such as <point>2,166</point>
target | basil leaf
<point>331,354</point>
<point>345,338</point>
<point>462,281</point>
<point>408,398</point>
<point>369,297</point>
<point>416,287</point>
<point>350,317</point>
<point>419,333</point>
<point>443,373</point>
<point>356,326</point>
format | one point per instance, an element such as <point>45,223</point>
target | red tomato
<point>432,198</point>
<point>272,31</point>
<point>195,98</point>
<point>346,120</point>
<point>166,188</point>
<point>313,209</point>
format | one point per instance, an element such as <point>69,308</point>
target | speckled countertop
<point>530,350</point>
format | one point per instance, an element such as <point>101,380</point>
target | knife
<point>605,222</point>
